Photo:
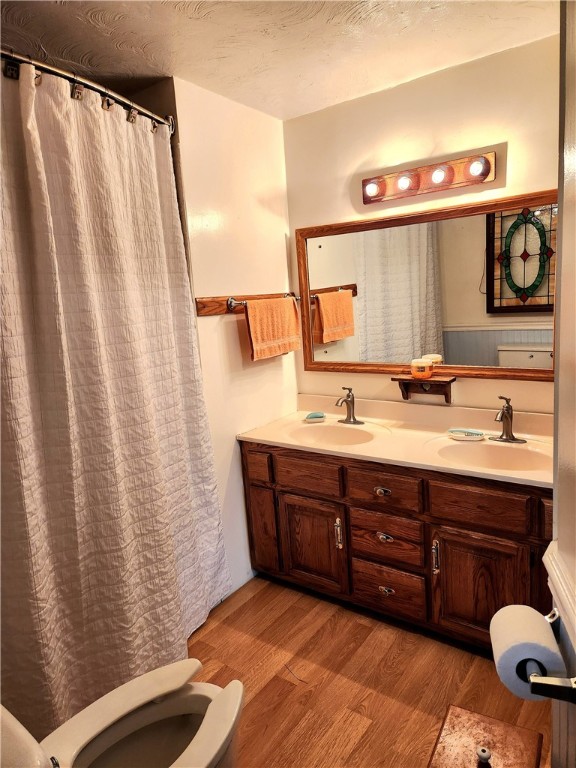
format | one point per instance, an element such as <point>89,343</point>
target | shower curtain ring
<point>107,102</point>
<point>77,91</point>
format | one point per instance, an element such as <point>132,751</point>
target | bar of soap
<point>315,416</point>
<point>464,434</point>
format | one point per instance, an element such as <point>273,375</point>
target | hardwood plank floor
<point>327,686</point>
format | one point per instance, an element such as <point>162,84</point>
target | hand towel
<point>273,326</point>
<point>333,317</point>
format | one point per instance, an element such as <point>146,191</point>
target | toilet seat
<point>158,695</point>
<point>71,737</point>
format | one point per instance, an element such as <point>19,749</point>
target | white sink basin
<point>331,434</point>
<point>494,455</point>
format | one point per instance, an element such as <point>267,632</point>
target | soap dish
<point>315,418</point>
<point>466,435</point>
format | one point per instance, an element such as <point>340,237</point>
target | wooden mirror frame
<point>462,371</point>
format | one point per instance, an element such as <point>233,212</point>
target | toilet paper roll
<point>520,634</point>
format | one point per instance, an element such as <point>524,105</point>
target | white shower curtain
<point>112,548</point>
<point>399,313</point>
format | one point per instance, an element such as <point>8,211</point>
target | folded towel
<point>273,326</point>
<point>333,317</point>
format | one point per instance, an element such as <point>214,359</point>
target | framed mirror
<point>419,285</point>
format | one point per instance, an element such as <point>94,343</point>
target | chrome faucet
<point>348,401</point>
<point>505,415</point>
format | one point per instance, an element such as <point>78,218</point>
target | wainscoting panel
<point>480,347</point>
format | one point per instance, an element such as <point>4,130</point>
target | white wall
<point>331,262</point>
<point>565,500</point>
<point>232,163</point>
<point>511,98</point>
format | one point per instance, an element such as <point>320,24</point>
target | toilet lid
<point>19,747</point>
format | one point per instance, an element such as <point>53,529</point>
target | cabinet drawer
<point>387,589</point>
<point>386,537</point>
<point>259,466</point>
<point>481,507</point>
<point>384,489</point>
<point>302,474</point>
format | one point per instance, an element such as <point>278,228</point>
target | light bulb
<point>371,189</point>
<point>479,167</point>
<point>404,183</point>
<point>439,175</point>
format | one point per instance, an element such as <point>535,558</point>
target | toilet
<point>157,720</point>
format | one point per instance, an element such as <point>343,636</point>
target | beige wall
<point>462,251</point>
<point>234,183</point>
<point>480,104</point>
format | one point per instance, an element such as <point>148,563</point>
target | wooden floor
<point>329,686</point>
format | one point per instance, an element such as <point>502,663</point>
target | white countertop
<point>407,444</point>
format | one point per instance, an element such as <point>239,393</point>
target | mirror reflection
<point>421,289</point>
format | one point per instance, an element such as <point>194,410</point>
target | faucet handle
<point>348,389</point>
<point>501,397</point>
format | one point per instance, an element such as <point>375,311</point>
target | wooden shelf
<point>437,385</point>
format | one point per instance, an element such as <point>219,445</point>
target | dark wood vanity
<point>439,550</point>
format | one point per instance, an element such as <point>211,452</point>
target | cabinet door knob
<point>384,537</point>
<point>387,590</point>
<point>380,491</point>
<point>338,532</point>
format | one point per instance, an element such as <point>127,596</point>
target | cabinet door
<point>472,577</point>
<point>313,541</point>
<point>261,512</point>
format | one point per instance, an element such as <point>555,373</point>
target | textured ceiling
<point>283,58</point>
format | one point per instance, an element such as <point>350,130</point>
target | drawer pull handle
<point>435,556</point>
<point>384,537</point>
<point>380,491</point>
<point>338,532</point>
<point>387,590</point>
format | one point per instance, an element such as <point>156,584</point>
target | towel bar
<point>231,303</point>
<point>223,305</point>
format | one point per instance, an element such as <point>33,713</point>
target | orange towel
<point>333,317</point>
<point>273,326</point>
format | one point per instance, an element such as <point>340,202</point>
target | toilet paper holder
<point>561,688</point>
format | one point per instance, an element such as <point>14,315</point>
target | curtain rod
<point>73,78</point>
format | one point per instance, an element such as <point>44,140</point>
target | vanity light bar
<point>465,171</point>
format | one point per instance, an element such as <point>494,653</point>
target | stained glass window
<point>521,259</point>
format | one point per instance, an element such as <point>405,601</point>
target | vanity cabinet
<point>440,550</point>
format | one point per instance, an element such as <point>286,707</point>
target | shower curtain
<point>112,549</point>
<point>399,311</point>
